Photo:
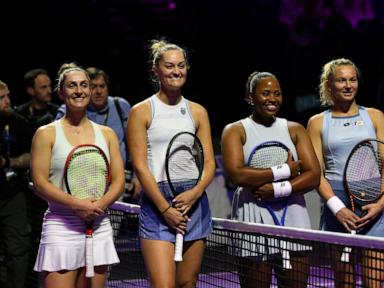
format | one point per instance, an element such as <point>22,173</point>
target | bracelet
<point>166,209</point>
<point>335,204</point>
<point>282,189</point>
<point>281,171</point>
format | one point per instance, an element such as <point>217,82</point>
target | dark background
<point>226,41</point>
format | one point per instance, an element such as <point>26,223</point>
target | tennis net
<point>241,254</point>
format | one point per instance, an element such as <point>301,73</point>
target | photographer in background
<point>14,160</point>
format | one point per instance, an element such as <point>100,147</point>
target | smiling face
<point>171,70</point>
<point>343,84</point>
<point>266,98</point>
<point>75,90</point>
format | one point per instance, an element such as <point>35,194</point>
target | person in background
<point>151,125</point>
<point>334,133</point>
<point>61,253</point>
<point>39,110</point>
<point>277,187</point>
<point>112,112</point>
<point>14,160</point>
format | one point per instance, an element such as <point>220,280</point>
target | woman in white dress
<point>61,251</point>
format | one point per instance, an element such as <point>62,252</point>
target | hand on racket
<point>184,163</point>
<point>268,155</point>
<point>87,178</point>
<point>363,179</point>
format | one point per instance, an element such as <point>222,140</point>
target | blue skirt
<point>329,222</point>
<point>153,225</point>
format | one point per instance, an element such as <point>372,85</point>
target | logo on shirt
<point>356,123</point>
<point>182,110</point>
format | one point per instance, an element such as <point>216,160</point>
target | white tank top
<point>167,120</point>
<point>61,149</point>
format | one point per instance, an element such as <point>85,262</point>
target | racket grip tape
<point>89,271</point>
<point>179,247</point>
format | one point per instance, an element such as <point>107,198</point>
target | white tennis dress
<point>62,244</point>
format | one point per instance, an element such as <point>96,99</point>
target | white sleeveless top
<point>61,149</point>
<point>167,120</point>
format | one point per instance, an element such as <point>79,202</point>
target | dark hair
<point>31,75</point>
<point>252,82</point>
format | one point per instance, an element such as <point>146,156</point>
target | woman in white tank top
<point>151,125</point>
<point>62,246</point>
<point>264,190</point>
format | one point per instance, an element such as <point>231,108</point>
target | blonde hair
<point>327,74</point>
<point>3,85</point>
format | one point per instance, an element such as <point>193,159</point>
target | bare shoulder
<point>44,137</point>
<point>141,109</point>
<point>233,129</point>
<point>196,108</point>
<point>316,122</point>
<point>375,113</point>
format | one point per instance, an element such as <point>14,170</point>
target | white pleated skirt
<point>62,244</point>
<point>246,208</point>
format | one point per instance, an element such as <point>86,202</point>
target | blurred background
<point>226,40</point>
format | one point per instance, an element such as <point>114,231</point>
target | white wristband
<point>281,171</point>
<point>282,189</point>
<point>335,204</point>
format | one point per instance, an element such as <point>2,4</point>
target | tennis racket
<point>184,162</point>
<point>362,178</point>
<point>87,175</point>
<point>264,156</point>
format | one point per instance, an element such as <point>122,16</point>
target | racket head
<point>87,172</point>
<point>184,160</point>
<point>268,154</point>
<point>363,171</point>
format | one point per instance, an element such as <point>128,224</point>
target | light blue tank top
<point>340,135</point>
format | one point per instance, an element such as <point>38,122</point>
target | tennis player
<point>61,252</point>
<point>334,133</point>
<point>151,125</point>
<point>298,176</point>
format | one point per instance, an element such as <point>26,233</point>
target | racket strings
<point>87,173</point>
<point>185,159</point>
<point>363,173</point>
<point>266,157</point>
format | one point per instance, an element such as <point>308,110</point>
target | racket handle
<point>347,251</point>
<point>89,271</point>
<point>179,247</point>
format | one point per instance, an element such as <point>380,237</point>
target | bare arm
<point>374,209</point>
<point>185,200</point>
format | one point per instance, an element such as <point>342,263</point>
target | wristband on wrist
<point>280,172</point>
<point>282,189</point>
<point>166,209</point>
<point>335,204</point>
